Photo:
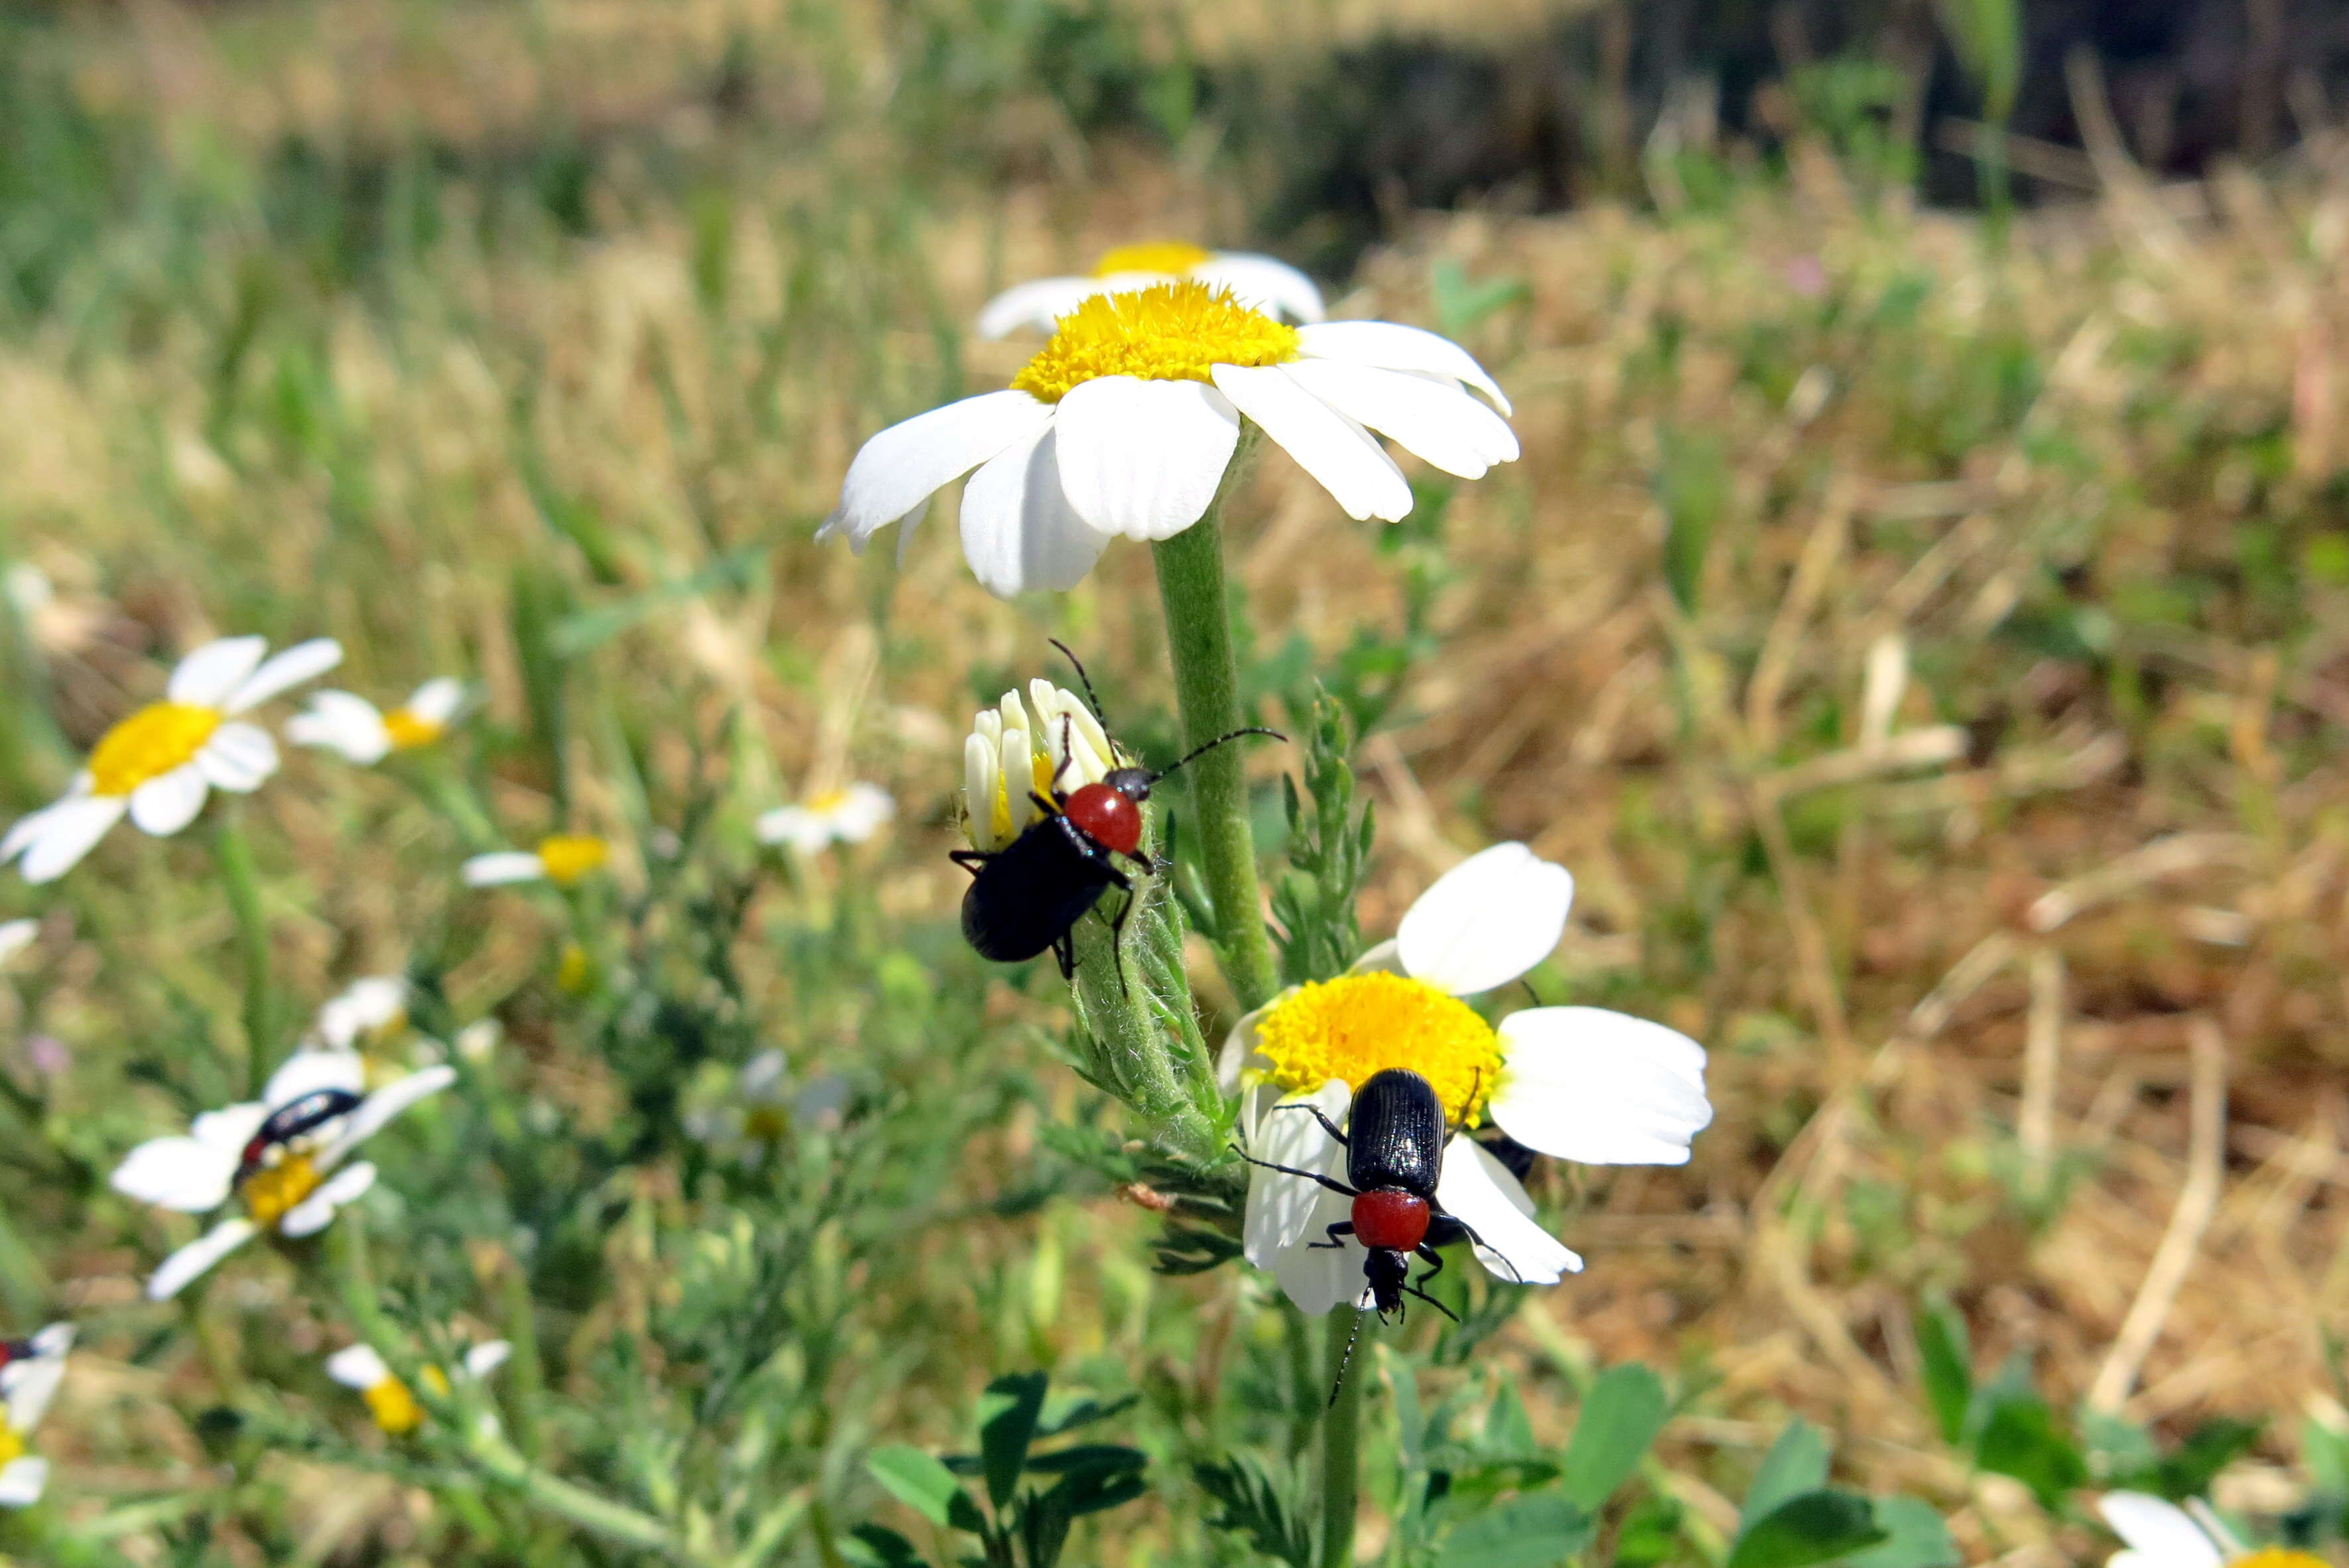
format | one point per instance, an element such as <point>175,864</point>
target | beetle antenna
<point>1092,699</point>
<point>1235,735</point>
<point>1534,993</point>
<point>1348,1359</point>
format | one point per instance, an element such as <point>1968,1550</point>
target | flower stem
<point>1206,686</point>
<point>1340,1446</point>
<point>233,855</point>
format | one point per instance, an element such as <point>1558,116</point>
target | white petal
<point>505,866</point>
<point>1019,529</point>
<point>308,1071</point>
<point>906,464</point>
<point>226,1131</point>
<point>1433,420</point>
<point>1263,284</point>
<point>438,700</point>
<point>2165,1533</point>
<point>68,830</point>
<point>31,1384</point>
<point>1036,304</point>
<point>18,935</point>
<point>1239,1045</point>
<point>344,722</point>
<point>191,1175</point>
<point>209,674</point>
<point>1600,1087</point>
<point>1319,1278</point>
<point>163,806</point>
<point>357,1367</point>
<point>1143,458</point>
<point>54,1340</point>
<point>487,1356</point>
<point>238,757</point>
<point>861,815</point>
<point>1476,1189</point>
<point>1486,920</point>
<point>796,826</point>
<point>1391,348</point>
<point>302,662</point>
<point>22,1482</point>
<point>1344,458</point>
<point>383,1105</point>
<point>1279,1205</point>
<point>183,1267</point>
<point>316,1211</point>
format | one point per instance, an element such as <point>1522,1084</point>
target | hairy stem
<point>1339,1444</point>
<point>233,855</point>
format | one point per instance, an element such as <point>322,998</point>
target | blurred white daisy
<point>1008,759</point>
<point>16,935</point>
<point>763,1105</point>
<point>2159,1535</point>
<point>366,1009</point>
<point>160,763</point>
<point>281,1157</point>
<point>848,816</point>
<point>347,723</point>
<point>390,1401</point>
<point>30,1371</point>
<point>561,859</point>
<point>1125,421</point>
<point>1259,283</point>
<point>1577,1083</point>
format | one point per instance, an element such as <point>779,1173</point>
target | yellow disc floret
<point>1359,1025</point>
<point>12,1447</point>
<point>408,730</point>
<point>1168,332</point>
<point>2280,1557</point>
<point>830,801</point>
<point>568,857</point>
<point>150,744</point>
<point>1154,256</point>
<point>394,1409</point>
<point>273,1191</point>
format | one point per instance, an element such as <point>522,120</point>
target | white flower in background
<point>1577,1083</point>
<point>345,722</point>
<point>1259,283</point>
<point>1008,759</point>
<point>2158,1534</point>
<point>364,1010</point>
<point>848,816</point>
<point>160,763</point>
<point>763,1105</point>
<point>478,1041</point>
<point>563,859</point>
<point>30,1371</point>
<point>1124,424</point>
<point>390,1401</point>
<point>286,1169</point>
<point>18,935</point>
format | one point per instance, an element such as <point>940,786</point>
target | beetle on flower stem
<point>1026,898</point>
<point>1394,1140</point>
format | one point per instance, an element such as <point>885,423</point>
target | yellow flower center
<point>409,731</point>
<point>1359,1025</point>
<point>148,744</point>
<point>2280,1557</point>
<point>1168,332</point>
<point>998,811</point>
<point>569,857</point>
<point>1155,257</point>
<point>575,972</point>
<point>271,1191</point>
<point>12,1447</point>
<point>829,801</point>
<point>394,1409</point>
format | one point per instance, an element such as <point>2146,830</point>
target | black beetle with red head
<point>305,1113</point>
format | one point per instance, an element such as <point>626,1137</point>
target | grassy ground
<point>1924,644</point>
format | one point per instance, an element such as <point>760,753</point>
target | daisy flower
<point>2158,1534</point>
<point>761,1105</point>
<point>847,816</point>
<point>1577,1083</point>
<point>30,1371</point>
<point>390,1401</point>
<point>160,763</point>
<point>345,722</point>
<point>563,859</point>
<point>281,1157</point>
<point>1125,421</point>
<point>366,1009</point>
<point>18,935</point>
<point>1008,761</point>
<point>1260,283</point>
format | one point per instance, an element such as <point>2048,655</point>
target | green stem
<point>233,854</point>
<point>1207,685</point>
<point>1341,1442</point>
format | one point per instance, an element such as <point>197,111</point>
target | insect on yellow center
<point>1359,1025</point>
<point>271,1192</point>
<point>568,857</point>
<point>1155,257</point>
<point>1168,332</point>
<point>148,744</point>
<point>409,730</point>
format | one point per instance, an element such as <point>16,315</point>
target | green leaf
<point>877,1547</point>
<point>915,1478</point>
<point>1253,1506</point>
<point>1814,1527</point>
<point>1006,1425</point>
<point>2211,1446</point>
<point>1948,1358</point>
<point>1086,1458</point>
<point>1532,1531</point>
<point>1691,486</point>
<point>1461,305</point>
<point>2020,1438</point>
<point>1797,1463</point>
<point>1083,1412</point>
<point>1917,1537</point>
<point>1620,1418</point>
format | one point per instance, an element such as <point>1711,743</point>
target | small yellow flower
<point>391,1402</point>
<point>345,722</point>
<point>563,859</point>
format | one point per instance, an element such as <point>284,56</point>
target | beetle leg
<point>1068,754</point>
<point>1414,1290</point>
<point>1470,1230</point>
<point>1050,808</point>
<point>1319,1115</point>
<point>1330,1182</point>
<point>1117,938</point>
<point>1340,1229</point>
<point>971,861</point>
<point>1065,950</point>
